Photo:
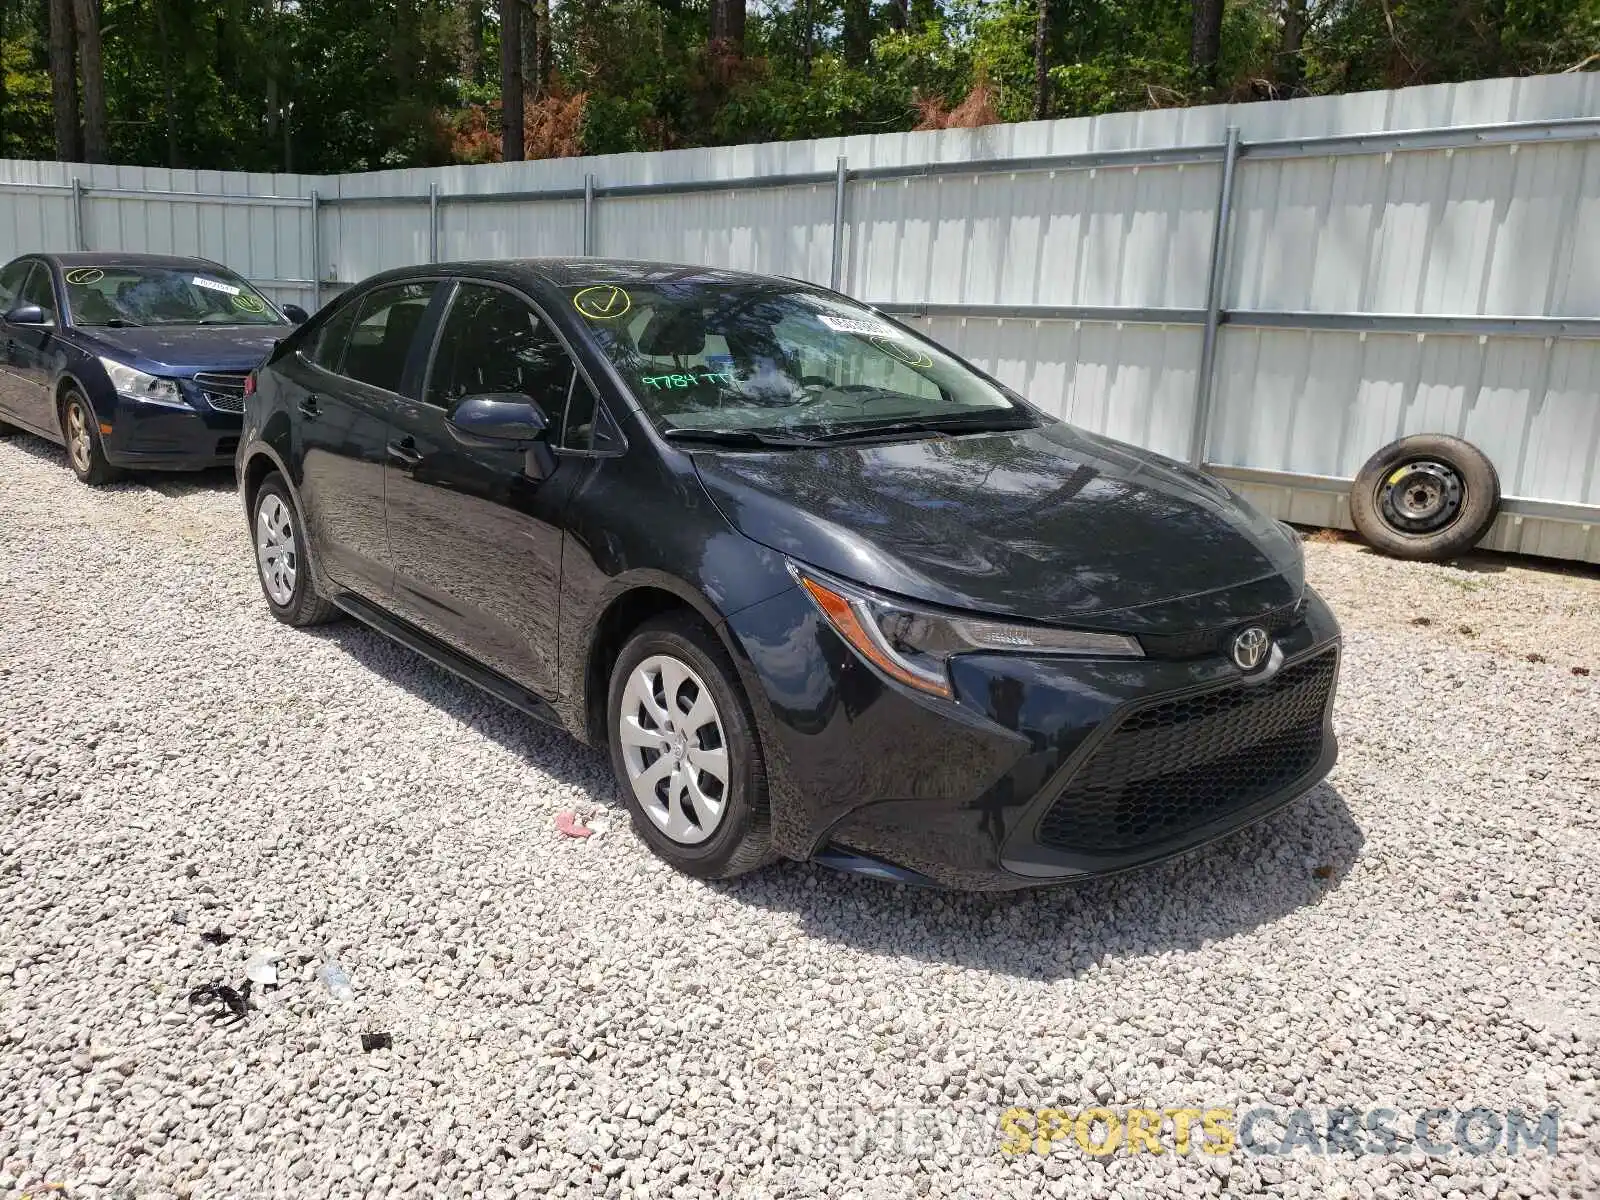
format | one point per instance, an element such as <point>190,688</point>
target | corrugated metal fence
<point>1275,290</point>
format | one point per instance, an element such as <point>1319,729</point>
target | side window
<point>39,290</point>
<point>11,281</point>
<point>588,426</point>
<point>494,342</point>
<point>386,323</point>
<point>326,345</point>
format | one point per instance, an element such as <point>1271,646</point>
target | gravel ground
<point>572,1018</point>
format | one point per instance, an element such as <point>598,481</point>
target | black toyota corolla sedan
<point>824,590</point>
<point>131,360</point>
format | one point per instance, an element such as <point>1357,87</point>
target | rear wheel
<point>684,749</point>
<point>86,454</point>
<point>282,558</point>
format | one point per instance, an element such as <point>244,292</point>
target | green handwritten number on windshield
<point>672,382</point>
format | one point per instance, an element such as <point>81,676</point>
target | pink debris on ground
<point>568,824</point>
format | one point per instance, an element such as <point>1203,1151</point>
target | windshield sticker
<point>249,304</point>
<point>604,302</point>
<point>84,276</point>
<point>215,285</point>
<point>909,355</point>
<point>869,329</point>
<point>671,382</point>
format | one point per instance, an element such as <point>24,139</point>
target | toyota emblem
<point>1250,647</point>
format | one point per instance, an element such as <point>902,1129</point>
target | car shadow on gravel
<point>1239,883</point>
<point>541,745</point>
<point>168,483</point>
<point>1251,878</point>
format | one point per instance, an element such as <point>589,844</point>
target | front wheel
<point>86,454</point>
<point>282,558</point>
<point>684,749</point>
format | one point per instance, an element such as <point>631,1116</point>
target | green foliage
<point>340,85</point>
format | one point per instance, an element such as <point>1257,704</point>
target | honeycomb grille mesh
<point>1174,765</point>
<point>223,390</point>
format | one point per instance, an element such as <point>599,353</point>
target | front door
<point>11,379</point>
<point>27,353</point>
<point>476,539</point>
<point>344,386</point>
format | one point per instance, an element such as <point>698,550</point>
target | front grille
<point>1173,765</point>
<point>223,390</point>
<point>1200,642</point>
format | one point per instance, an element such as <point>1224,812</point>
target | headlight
<point>148,389</point>
<point>914,646</point>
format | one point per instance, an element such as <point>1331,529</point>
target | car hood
<point>185,349</point>
<point>1047,524</point>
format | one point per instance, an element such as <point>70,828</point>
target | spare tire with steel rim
<point>1426,497</point>
<point>685,751</point>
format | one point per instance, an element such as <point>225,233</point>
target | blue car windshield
<point>164,296</point>
<point>772,357</point>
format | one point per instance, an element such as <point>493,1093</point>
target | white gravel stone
<point>572,1018</point>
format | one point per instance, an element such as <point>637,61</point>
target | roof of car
<point>118,258</point>
<point>571,272</point>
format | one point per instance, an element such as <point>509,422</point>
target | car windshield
<point>766,359</point>
<point>142,295</point>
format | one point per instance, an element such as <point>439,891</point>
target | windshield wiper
<point>746,438</point>
<point>964,423</point>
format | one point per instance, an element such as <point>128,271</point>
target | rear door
<point>477,540</point>
<point>343,386</point>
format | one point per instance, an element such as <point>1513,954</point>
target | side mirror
<point>296,314</point>
<point>499,417</point>
<point>27,314</point>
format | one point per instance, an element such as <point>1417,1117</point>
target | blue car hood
<point>185,349</point>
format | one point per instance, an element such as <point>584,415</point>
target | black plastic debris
<point>234,1000</point>
<point>376,1041</point>
<point>179,917</point>
<point>215,937</point>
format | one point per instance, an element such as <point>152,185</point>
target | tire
<point>1428,497</point>
<point>80,434</point>
<point>283,557</point>
<point>676,649</point>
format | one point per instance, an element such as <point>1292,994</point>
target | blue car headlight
<point>136,385</point>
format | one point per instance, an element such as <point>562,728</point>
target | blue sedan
<point>131,360</point>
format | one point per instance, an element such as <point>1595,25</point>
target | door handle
<point>308,407</point>
<point>405,451</point>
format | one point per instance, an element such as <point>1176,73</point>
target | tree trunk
<point>1041,62</point>
<point>5,11</point>
<point>528,19</point>
<point>541,17</point>
<point>64,81</point>
<point>469,52</point>
<point>1291,63</point>
<point>808,44</point>
<point>510,81</point>
<point>857,32</point>
<point>167,71</point>
<point>1205,41</point>
<point>727,24</point>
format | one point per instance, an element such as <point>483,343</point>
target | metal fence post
<point>80,235</point>
<point>1216,278</point>
<point>840,179</point>
<point>316,250</point>
<point>433,222</point>
<point>588,214</point>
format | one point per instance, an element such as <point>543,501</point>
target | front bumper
<point>1042,770</point>
<point>164,438</point>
